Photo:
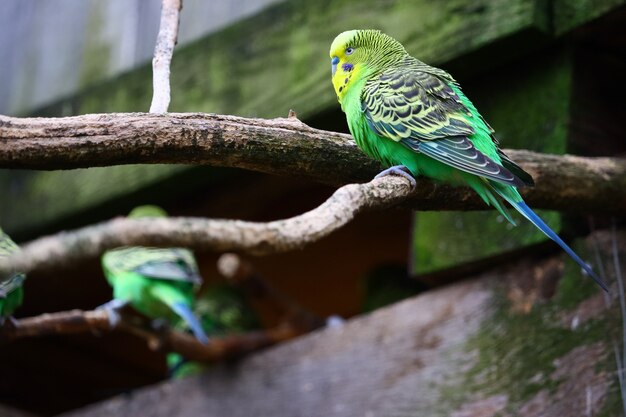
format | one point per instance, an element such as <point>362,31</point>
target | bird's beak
<point>334,63</point>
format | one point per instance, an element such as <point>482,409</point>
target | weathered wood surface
<point>284,147</point>
<point>13,412</point>
<point>104,40</point>
<point>567,14</point>
<point>517,341</point>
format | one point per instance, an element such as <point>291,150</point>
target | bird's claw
<point>401,171</point>
<point>159,325</point>
<point>335,321</point>
<point>113,308</point>
<point>8,322</point>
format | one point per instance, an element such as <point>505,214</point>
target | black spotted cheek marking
<point>340,88</point>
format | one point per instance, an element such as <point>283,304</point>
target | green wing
<point>423,111</point>
<point>176,264</point>
<point>11,292</point>
<point>410,104</point>
<point>9,286</point>
<point>7,248</point>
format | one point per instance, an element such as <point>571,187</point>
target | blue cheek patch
<point>347,67</point>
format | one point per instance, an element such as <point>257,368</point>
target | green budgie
<point>11,290</point>
<point>415,119</point>
<point>157,282</point>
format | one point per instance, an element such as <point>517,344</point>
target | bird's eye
<point>349,50</point>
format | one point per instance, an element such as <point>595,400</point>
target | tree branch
<point>242,273</point>
<point>283,147</point>
<point>64,322</point>
<point>163,50</point>
<point>218,348</point>
<point>210,234</point>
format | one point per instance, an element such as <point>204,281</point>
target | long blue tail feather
<point>186,314</point>
<point>541,225</point>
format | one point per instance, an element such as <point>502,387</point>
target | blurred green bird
<point>11,289</point>
<point>157,282</point>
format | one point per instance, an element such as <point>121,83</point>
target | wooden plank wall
<point>530,339</point>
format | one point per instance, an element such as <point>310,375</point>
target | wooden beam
<point>568,15</point>
<point>533,338</point>
<point>6,411</point>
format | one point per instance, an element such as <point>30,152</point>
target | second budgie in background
<point>157,282</point>
<point>11,289</point>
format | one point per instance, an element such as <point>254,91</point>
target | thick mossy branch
<point>283,147</point>
<point>210,234</point>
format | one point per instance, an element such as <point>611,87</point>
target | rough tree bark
<point>284,147</point>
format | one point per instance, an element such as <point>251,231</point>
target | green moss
<point>278,59</point>
<point>574,287</point>
<point>528,104</point>
<point>59,193</point>
<point>515,353</point>
<point>569,14</point>
<point>96,51</point>
<point>444,239</point>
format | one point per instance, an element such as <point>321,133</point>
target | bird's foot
<point>160,325</point>
<point>8,323</point>
<point>12,323</point>
<point>335,321</point>
<point>113,309</point>
<point>402,171</point>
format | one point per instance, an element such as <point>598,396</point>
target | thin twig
<point>220,348</point>
<point>163,50</point>
<point>66,248</point>
<point>78,321</point>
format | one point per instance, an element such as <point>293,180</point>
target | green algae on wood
<point>529,335</point>
<point>568,14</point>
<point>96,50</point>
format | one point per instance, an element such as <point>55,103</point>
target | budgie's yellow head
<point>358,53</point>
